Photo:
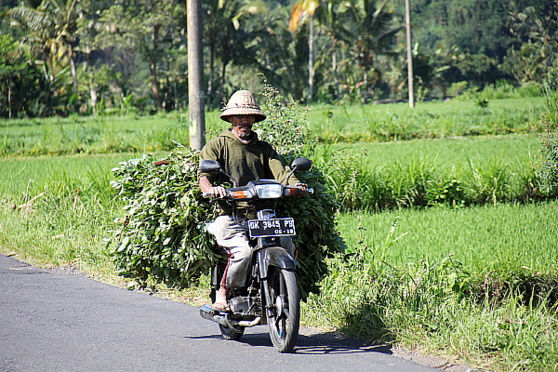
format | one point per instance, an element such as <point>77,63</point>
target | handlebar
<point>208,195</point>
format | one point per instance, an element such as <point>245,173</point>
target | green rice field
<point>485,239</point>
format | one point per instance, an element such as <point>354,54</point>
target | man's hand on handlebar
<point>217,192</point>
<point>210,191</point>
<point>303,187</point>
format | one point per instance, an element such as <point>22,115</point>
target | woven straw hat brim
<point>242,103</point>
<point>241,111</point>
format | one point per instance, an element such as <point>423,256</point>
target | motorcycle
<point>270,295</point>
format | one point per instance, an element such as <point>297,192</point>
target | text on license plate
<point>272,227</point>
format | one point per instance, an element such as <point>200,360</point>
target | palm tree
<point>305,9</point>
<point>362,28</point>
<point>226,37</point>
<point>328,18</point>
<point>369,32</point>
<point>281,57</point>
<point>49,30</point>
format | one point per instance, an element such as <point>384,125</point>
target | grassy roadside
<point>479,283</point>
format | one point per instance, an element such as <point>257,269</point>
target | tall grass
<point>455,172</point>
<point>59,210</point>
<point>487,239</point>
<point>80,175</point>
<point>55,230</point>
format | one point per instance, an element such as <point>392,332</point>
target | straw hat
<point>242,102</point>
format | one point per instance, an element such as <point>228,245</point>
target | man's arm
<point>280,171</point>
<point>210,151</point>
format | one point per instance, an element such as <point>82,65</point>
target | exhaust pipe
<point>246,323</point>
<point>208,313</point>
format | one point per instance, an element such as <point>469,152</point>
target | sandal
<point>217,306</point>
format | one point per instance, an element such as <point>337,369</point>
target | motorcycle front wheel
<point>284,319</point>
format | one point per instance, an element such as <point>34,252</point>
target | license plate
<point>271,227</point>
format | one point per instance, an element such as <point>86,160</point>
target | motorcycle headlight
<point>270,191</point>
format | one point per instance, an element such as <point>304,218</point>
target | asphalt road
<point>52,321</point>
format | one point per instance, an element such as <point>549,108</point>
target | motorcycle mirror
<point>301,164</point>
<point>210,166</point>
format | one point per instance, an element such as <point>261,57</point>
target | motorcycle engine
<point>245,306</point>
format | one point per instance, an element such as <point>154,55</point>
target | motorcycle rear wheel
<point>231,333</point>
<point>285,304</point>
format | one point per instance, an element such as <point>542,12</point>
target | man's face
<point>242,125</point>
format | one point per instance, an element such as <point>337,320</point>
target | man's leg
<point>234,239</point>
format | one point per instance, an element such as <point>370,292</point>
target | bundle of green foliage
<point>162,238</point>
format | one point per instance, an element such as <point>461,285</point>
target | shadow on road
<point>328,343</point>
<point>323,343</point>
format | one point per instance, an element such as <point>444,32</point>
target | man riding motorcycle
<point>245,158</point>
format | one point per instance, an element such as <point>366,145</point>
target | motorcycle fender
<point>274,256</point>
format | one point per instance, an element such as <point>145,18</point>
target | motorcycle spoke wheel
<point>285,319</point>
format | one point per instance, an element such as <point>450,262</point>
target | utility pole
<point>410,83</point>
<point>311,60</point>
<point>195,75</point>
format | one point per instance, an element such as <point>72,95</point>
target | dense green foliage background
<point>64,56</point>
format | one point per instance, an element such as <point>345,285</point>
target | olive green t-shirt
<point>245,161</point>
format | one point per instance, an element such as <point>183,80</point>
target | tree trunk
<point>9,101</point>
<point>410,77</point>
<point>195,75</point>
<point>311,61</point>
<point>334,68</point>
<point>222,83</point>
<point>210,91</point>
<point>92,91</point>
<point>73,69</point>
<point>153,67</point>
